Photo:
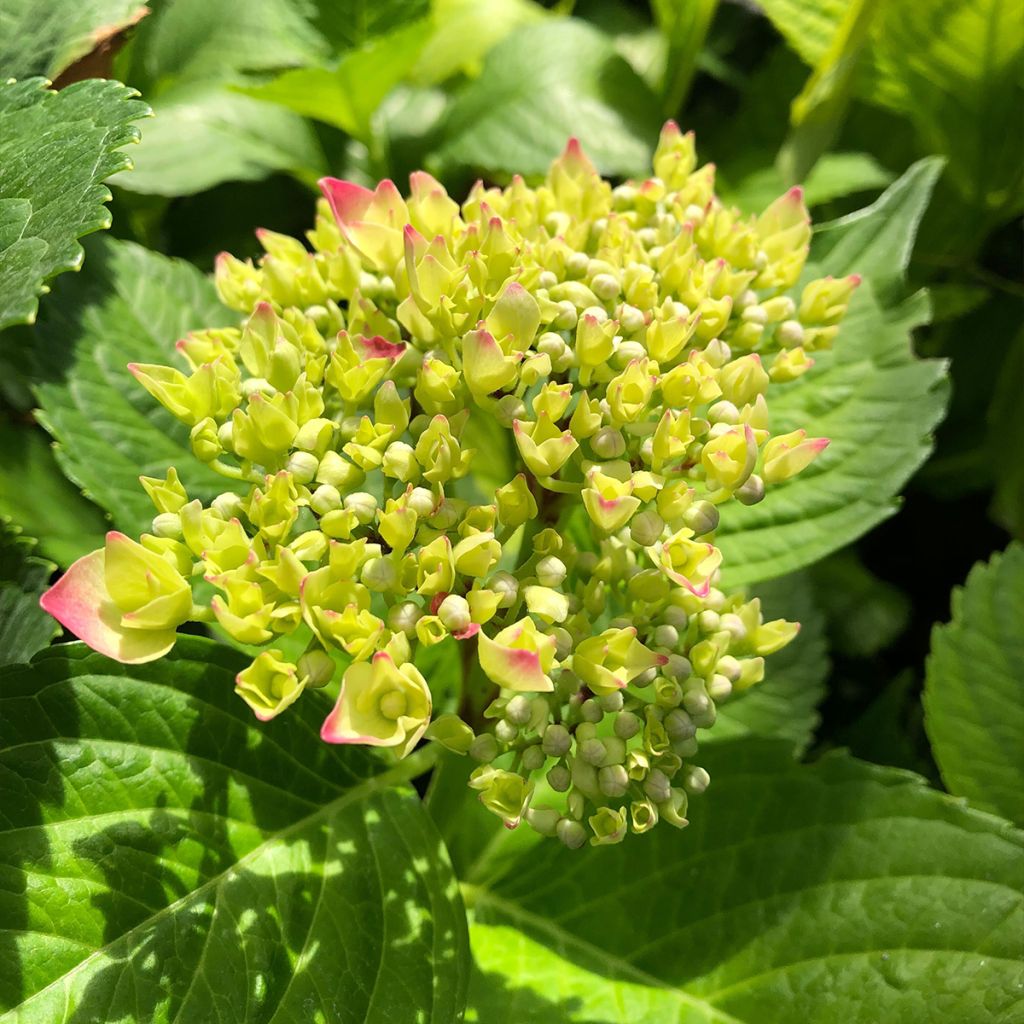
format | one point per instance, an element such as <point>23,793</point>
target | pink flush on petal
<point>348,201</point>
<point>377,348</point>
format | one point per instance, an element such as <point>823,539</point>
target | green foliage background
<point>857,858</point>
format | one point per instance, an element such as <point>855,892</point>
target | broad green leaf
<point>168,858</point>
<point>464,31</point>
<point>541,85</point>
<point>204,133</point>
<point>24,627</point>
<point>348,95</point>
<point>129,305</point>
<point>784,705</point>
<point>974,688</point>
<point>876,402</point>
<point>839,893</point>
<point>35,495</point>
<point>865,614</point>
<point>55,150</point>
<point>835,175</point>
<point>1006,437</point>
<point>45,38</point>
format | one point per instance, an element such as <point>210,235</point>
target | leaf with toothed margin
<point>56,149</point>
<point>168,858</point>
<point>128,305</point>
<point>974,688</point>
<point>24,627</point>
<point>870,395</point>
<point>838,893</point>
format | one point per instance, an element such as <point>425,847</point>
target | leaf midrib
<point>412,766</point>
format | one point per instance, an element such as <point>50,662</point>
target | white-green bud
<point>592,751</point>
<point>227,505</point>
<point>695,779</point>
<point>302,466</point>
<point>551,571</point>
<point>729,666</point>
<point>701,517</point>
<point>446,515</point>
<point>631,319</point>
<point>563,642</point>
<point>506,732</point>
<point>613,780</point>
<point>542,819</point>
<point>679,725</point>
<point>559,778</point>
<point>645,678</point>
<point>576,804</point>
<point>611,702</point>
<point>402,618</point>
<point>685,748</point>
<point>567,317</point>
<point>627,725</point>
<point>720,687</point>
<point>675,616</point>
<point>646,527</point>
<point>657,785</point>
<point>325,498</point>
<point>724,412</point>
<point>517,710</point>
<point>752,490</point>
<point>605,287</point>
<point>421,500</point>
<point>547,279</point>
<point>696,701</point>
<point>506,586</point>
<point>591,711</point>
<point>484,748</point>
<point>556,741</point>
<point>379,574</point>
<point>608,443</point>
<point>256,385</point>
<point>167,524</point>
<point>627,351</point>
<point>666,636</point>
<point>585,731</point>
<point>790,333</point>
<point>454,613</point>
<point>571,833</point>
<point>708,621</point>
<point>226,435</point>
<point>364,506</point>
<point>677,667</point>
<point>317,667</point>
<point>717,352</point>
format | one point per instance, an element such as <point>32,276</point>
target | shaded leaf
<point>169,858</point>
<point>541,85</point>
<point>37,497</point>
<point>974,688</point>
<point>56,149</point>
<point>870,395</point>
<point>839,892</point>
<point>24,627</point>
<point>130,305</point>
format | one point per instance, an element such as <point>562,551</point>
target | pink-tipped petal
<point>377,347</point>
<point>348,201</point>
<point>80,603</point>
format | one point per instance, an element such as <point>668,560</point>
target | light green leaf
<point>876,402</point>
<point>24,627</point>
<point>129,305</point>
<point>168,858</point>
<point>835,175</point>
<point>45,38</point>
<point>974,688</point>
<point>784,705</point>
<point>36,496</point>
<point>348,95</point>
<point>684,24</point>
<point>205,133</point>
<point>541,85</point>
<point>839,893</point>
<point>55,150</point>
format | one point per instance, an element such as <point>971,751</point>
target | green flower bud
<point>611,702</point>
<point>324,499</point>
<point>702,517</point>
<point>591,711</point>
<point>696,780</point>
<point>317,667</point>
<point>402,618</point>
<point>484,748</point>
<point>571,833</point>
<point>752,491</point>
<point>454,613</point>
<point>167,524</point>
<point>657,786</point>
<point>302,466</point>
<point>452,733</point>
<point>543,820</point>
<point>679,725</point>
<point>627,725</point>
<point>556,741</point>
<point>608,443</point>
<point>506,732</point>
<point>533,759</point>
<point>613,780</point>
<point>559,778</point>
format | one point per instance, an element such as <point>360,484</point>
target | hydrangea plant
<point>617,346</point>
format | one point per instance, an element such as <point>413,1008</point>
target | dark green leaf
<point>167,858</point>
<point>839,893</point>
<point>541,85</point>
<point>55,150</point>
<point>974,688</point>
<point>130,305</point>
<point>36,496</point>
<point>24,627</point>
<point>876,402</point>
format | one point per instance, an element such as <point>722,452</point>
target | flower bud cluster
<point>615,348</point>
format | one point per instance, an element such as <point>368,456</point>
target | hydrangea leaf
<point>36,496</point>
<point>974,688</point>
<point>541,84</point>
<point>44,39</point>
<point>56,149</point>
<point>170,858</point>
<point>24,627</point>
<point>871,396</point>
<point>784,705</point>
<point>129,305</point>
<point>797,893</point>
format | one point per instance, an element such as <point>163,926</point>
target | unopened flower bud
<point>402,618</point>
<point>666,636</point>
<point>571,833</point>
<point>542,819</point>
<point>679,725</point>
<point>550,571</point>
<point>324,499</point>
<point>608,443</point>
<point>167,524</point>
<point>454,613</point>
<point>719,687</point>
<point>484,748</point>
<point>696,779</point>
<point>363,505</point>
<point>517,710</point>
<point>302,466</point>
<point>646,527</point>
<point>702,517</point>
<point>591,711</point>
<point>613,780</point>
<point>627,725</point>
<point>533,758</point>
<point>611,702</point>
<point>559,778</point>
<point>556,741</point>
<point>657,786</point>
<point>752,490</point>
<point>317,667</point>
<point>506,732</point>
<point>506,586</point>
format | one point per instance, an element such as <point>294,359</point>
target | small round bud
<point>701,517</point>
<point>677,667</point>
<point>421,501</point>
<point>608,443</point>
<point>646,527</point>
<point>317,667</point>
<point>446,515</point>
<point>613,780</point>
<point>720,687</point>
<point>627,351</point>
<point>167,524</point>
<point>227,505</point>
<point>695,779</point>
<point>547,279</point>
<point>559,778</point>
<point>729,666</point>
<point>657,786</point>
<point>645,678</point>
<point>509,408</point>
<point>707,621</point>
<point>226,434</point>
<point>631,319</point>
<point>402,618</point>
<point>542,819</point>
<point>724,412</point>
<point>506,732</point>
<point>325,499</point>
<point>571,833</point>
<point>627,725</point>
<point>666,636</point>
<point>533,758</point>
<point>454,613</point>
<point>567,318</point>
<point>506,586</point>
<point>556,741</point>
<point>517,710</point>
<point>563,642</point>
<point>576,804</point>
<point>752,491</point>
<point>484,748</point>
<point>697,702</point>
<point>585,731</point>
<point>379,574</point>
<point>790,333</point>
<point>302,466</point>
<point>611,702</point>
<point>591,711</point>
<point>592,751</point>
<point>363,505</point>
<point>675,616</point>
<point>679,725</point>
<point>605,287</point>
<point>551,571</point>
